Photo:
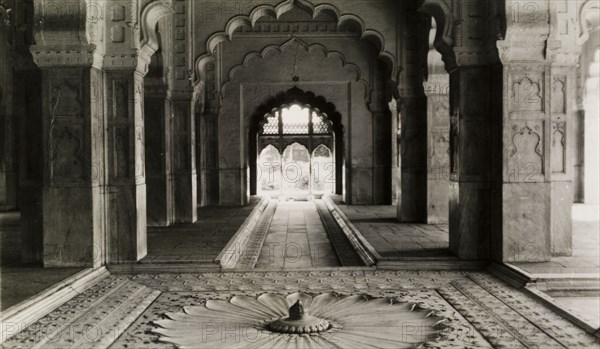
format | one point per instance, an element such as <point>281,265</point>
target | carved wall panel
<point>454,146</point>
<point>559,147</point>
<point>526,159</point>
<point>121,135</point>
<point>120,105</point>
<point>181,30</point>
<point>66,98</point>
<point>97,125</point>
<point>440,148</point>
<point>140,154</point>
<point>67,159</point>
<point>527,92</point>
<point>182,156</point>
<point>66,137</point>
<point>559,97</point>
<point>121,151</point>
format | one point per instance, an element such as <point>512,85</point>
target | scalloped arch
<point>587,8</point>
<point>276,12</point>
<point>270,50</point>
<point>441,11</point>
<point>151,14</point>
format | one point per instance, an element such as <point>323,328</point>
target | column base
<point>127,220</point>
<point>526,222</point>
<point>73,225</point>
<point>562,220</point>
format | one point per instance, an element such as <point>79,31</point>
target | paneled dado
<point>77,91</point>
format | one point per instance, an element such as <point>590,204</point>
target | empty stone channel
<point>298,238</point>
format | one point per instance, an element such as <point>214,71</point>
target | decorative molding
<point>275,12</point>
<point>45,56</point>
<point>527,93</point>
<point>526,157</point>
<point>441,10</point>
<point>150,16</point>
<point>587,8</point>
<point>559,147</point>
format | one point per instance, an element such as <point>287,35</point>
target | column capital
<point>45,56</point>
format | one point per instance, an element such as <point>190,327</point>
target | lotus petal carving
<point>355,321</point>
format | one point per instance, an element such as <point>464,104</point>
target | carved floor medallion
<point>300,320</point>
<point>341,308</point>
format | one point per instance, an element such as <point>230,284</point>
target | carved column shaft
<point>209,145</point>
<point>72,164</point>
<point>438,148</point>
<point>412,205</point>
<point>184,158</point>
<point>157,125</point>
<point>27,104</point>
<point>8,174</point>
<point>126,172</point>
<point>474,135</point>
<point>536,189</point>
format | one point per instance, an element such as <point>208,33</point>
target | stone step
<point>157,268</point>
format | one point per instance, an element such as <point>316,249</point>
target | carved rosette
<point>334,321</point>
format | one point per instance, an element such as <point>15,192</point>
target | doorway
<point>296,158</point>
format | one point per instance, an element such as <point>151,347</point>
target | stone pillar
<point>27,104</point>
<point>474,201</point>
<point>475,126</point>
<point>157,124</point>
<point>8,174</point>
<point>184,157</point>
<point>126,180</point>
<point>564,54</point>
<point>438,147</point>
<point>382,146</point>
<point>209,150</point>
<point>72,202</point>
<point>393,105</point>
<point>539,75</point>
<point>412,204</point>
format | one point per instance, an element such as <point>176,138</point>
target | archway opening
<point>295,153</point>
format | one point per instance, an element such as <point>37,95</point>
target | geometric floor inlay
<point>164,310</point>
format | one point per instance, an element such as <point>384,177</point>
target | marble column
<point>412,204</point>
<point>72,202</point>
<point>438,147</point>
<point>28,104</point>
<point>126,180</point>
<point>539,76</point>
<point>474,134</point>
<point>209,146</point>
<point>8,174</point>
<point>159,181</point>
<point>184,157</point>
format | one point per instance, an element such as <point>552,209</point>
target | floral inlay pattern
<point>352,322</point>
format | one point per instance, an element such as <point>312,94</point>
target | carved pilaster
<point>126,170</point>
<point>438,147</point>
<point>184,156</point>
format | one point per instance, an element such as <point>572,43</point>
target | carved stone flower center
<point>299,321</point>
